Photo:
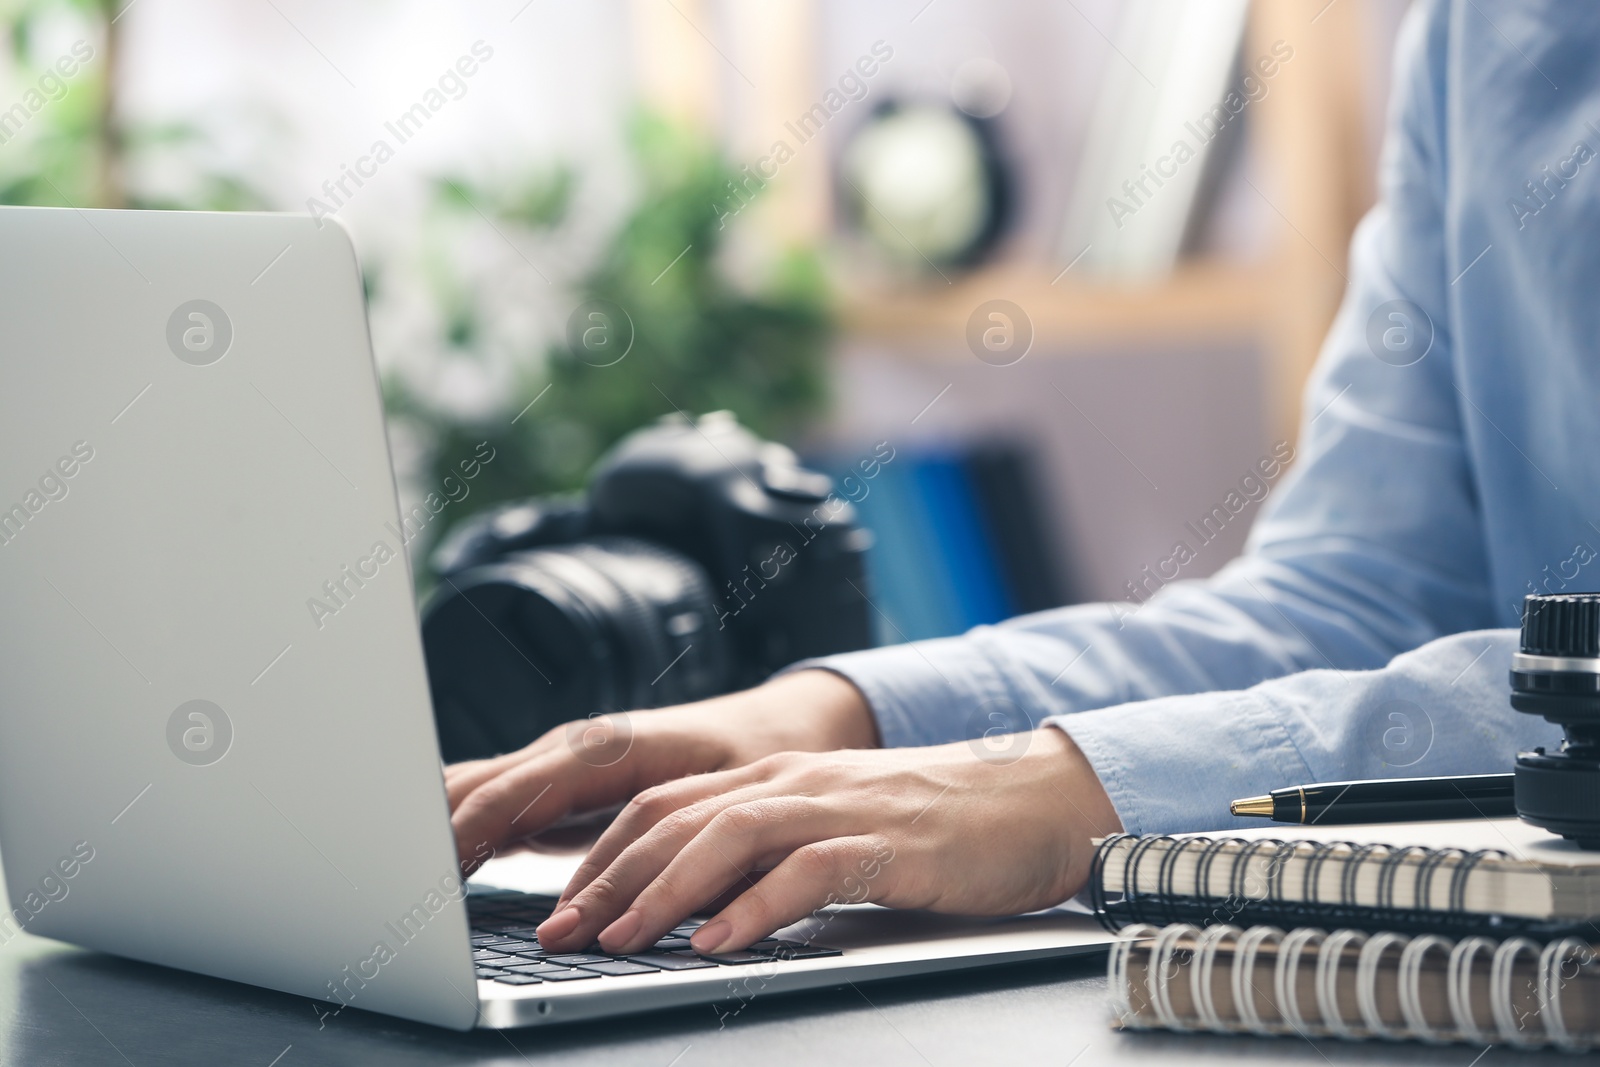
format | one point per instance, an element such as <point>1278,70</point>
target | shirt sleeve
<point>1442,709</point>
<point>1370,547</point>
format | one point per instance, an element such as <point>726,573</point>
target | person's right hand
<point>594,764</point>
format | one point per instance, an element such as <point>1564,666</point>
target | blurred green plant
<point>77,148</point>
<point>702,340</point>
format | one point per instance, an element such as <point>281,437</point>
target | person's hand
<point>950,828</point>
<point>594,764</point>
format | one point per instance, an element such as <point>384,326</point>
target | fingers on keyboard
<point>506,950</point>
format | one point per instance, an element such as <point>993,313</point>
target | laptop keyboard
<point>505,949</point>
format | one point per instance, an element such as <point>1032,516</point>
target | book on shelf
<point>960,538</point>
<point>1170,103</point>
<point>1004,479</point>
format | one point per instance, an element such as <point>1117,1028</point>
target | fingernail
<point>711,937</point>
<point>617,936</point>
<point>559,925</point>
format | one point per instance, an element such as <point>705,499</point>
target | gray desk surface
<point>62,1005</point>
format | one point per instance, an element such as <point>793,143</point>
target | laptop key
<point>566,976</point>
<point>673,944</point>
<point>481,956</point>
<point>621,967</point>
<point>578,960</point>
<point>489,972</point>
<point>518,979</point>
<point>672,961</point>
<point>744,956</point>
<point>798,950</point>
<point>533,968</point>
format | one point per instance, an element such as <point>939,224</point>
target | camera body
<point>700,560</point>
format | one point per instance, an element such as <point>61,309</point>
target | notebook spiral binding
<point>1182,948</point>
<point>1266,901</point>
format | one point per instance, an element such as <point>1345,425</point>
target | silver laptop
<point>196,769</point>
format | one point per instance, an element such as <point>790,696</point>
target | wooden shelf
<point>1198,303</point>
<point>1310,147</point>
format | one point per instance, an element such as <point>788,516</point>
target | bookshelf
<point>1313,156</point>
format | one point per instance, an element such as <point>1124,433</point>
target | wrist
<point>806,711</point>
<point>1088,812</point>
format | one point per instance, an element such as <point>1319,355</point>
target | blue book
<point>961,539</point>
<point>926,603</point>
<point>911,597</point>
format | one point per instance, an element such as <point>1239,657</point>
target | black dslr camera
<point>700,560</point>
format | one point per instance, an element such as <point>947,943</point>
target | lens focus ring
<point>1563,625</point>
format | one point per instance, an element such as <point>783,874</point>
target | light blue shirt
<point>1449,464</point>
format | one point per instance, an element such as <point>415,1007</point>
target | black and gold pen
<point>1386,800</point>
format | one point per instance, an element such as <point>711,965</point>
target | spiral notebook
<point>1350,984</point>
<point>1497,877</point>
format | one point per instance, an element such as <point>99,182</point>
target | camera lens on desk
<point>517,646</point>
<point>700,559</point>
<point>1556,674</point>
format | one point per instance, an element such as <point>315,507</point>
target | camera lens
<point>604,625</point>
<point>1556,674</point>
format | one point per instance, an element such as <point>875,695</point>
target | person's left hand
<point>952,828</point>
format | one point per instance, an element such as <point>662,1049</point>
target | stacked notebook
<point>1483,935</point>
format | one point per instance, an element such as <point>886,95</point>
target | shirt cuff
<point>1172,765</point>
<point>930,692</point>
